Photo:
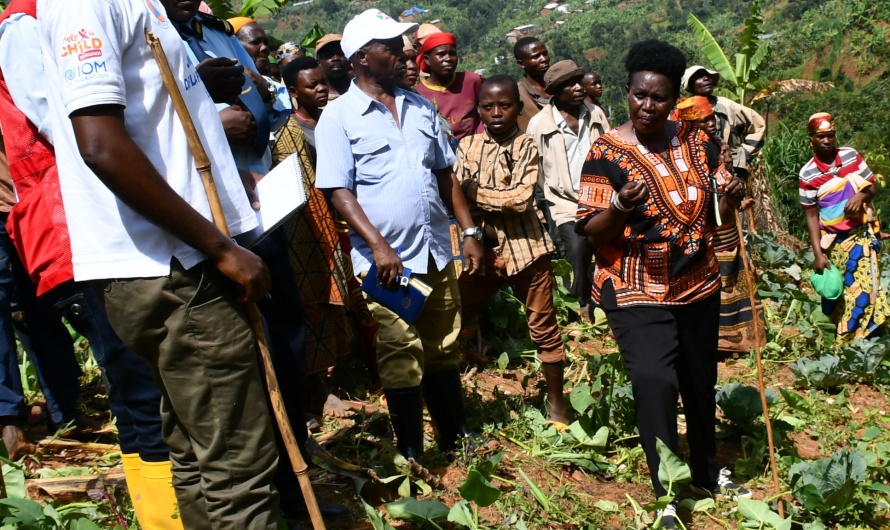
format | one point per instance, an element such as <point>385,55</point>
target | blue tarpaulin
<point>413,11</point>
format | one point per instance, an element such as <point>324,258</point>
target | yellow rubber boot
<point>159,499</point>
<point>132,464</point>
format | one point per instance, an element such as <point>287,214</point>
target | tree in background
<point>249,8</point>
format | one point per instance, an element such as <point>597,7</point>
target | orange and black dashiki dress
<point>666,254</point>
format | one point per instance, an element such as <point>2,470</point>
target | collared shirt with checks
<point>501,191</point>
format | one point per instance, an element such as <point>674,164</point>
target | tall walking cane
<point>253,313</point>
<point>758,333</point>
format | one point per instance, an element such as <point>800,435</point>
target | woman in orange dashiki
<point>652,193</point>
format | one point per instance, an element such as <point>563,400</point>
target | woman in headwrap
<point>287,52</point>
<point>736,316</point>
<point>322,267</point>
<point>412,72</point>
<point>454,93</point>
<point>239,22</point>
<point>836,190</point>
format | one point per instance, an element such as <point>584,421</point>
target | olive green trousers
<point>196,336</point>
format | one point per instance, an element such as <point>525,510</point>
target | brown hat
<point>424,31</point>
<point>560,73</point>
<point>327,39</point>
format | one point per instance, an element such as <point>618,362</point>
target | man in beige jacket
<point>564,130</point>
<point>740,127</point>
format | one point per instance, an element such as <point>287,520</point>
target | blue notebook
<point>406,298</point>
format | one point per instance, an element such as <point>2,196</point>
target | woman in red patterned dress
<point>653,193</point>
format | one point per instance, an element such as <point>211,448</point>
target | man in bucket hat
<point>740,127</point>
<point>564,130</point>
<point>387,168</point>
<point>335,65</point>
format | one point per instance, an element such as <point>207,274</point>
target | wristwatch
<point>273,93</point>
<point>473,231</point>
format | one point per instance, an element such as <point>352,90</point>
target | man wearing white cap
<point>740,127</point>
<point>387,169</point>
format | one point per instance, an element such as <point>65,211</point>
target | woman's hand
<point>820,263</point>
<point>733,193</point>
<point>633,194</point>
<point>856,205</point>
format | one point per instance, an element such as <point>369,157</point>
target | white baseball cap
<point>370,25</point>
<point>692,70</point>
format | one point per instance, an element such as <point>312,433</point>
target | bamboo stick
<point>758,335</point>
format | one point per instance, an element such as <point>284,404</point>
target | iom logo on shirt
<point>86,71</point>
<point>157,14</point>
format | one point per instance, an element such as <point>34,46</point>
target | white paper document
<point>282,194</point>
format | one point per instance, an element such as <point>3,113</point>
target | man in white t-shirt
<point>140,229</point>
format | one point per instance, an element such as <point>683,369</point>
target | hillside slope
<point>815,39</point>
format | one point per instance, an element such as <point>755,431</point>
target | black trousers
<point>579,253</point>
<point>671,351</point>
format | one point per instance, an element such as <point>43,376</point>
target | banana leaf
<point>249,8</point>
<point>253,8</point>
<point>711,49</point>
<point>222,8</point>
<point>753,29</point>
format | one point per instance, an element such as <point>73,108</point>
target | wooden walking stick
<point>758,334</point>
<point>202,162</point>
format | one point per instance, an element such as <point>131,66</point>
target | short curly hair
<point>521,45</point>
<point>503,80</point>
<point>656,56</point>
<point>290,72</point>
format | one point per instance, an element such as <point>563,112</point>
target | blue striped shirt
<point>390,171</point>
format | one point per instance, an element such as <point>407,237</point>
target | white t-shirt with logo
<point>95,53</point>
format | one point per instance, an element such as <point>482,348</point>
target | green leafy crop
<point>824,372</point>
<point>827,486</point>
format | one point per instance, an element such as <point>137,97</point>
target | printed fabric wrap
<point>863,306</point>
<point>832,197</point>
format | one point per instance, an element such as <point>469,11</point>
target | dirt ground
<point>491,384</point>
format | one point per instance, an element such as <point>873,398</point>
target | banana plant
<point>249,8</point>
<point>745,73</point>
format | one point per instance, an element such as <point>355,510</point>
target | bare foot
<point>17,443</point>
<point>476,357</point>
<point>477,352</point>
<point>336,408</point>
